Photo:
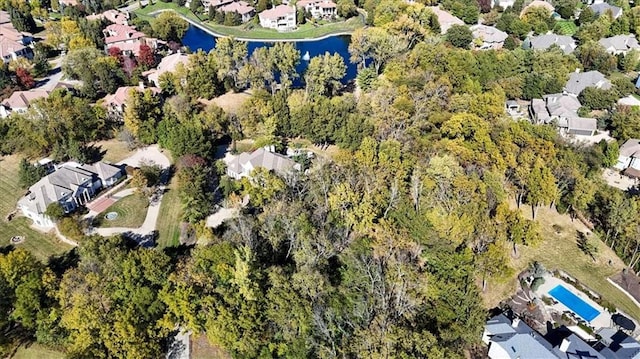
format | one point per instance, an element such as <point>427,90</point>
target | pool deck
<point>603,320</point>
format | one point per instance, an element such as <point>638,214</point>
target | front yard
<point>131,212</point>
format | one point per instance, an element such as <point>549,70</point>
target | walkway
<point>105,200</point>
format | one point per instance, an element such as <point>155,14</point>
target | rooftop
<point>278,12</point>
<point>578,81</point>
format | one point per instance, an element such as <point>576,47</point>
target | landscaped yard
<point>566,27</point>
<point>168,224</point>
<point>131,210</point>
<point>114,150</point>
<point>254,31</point>
<point>560,251</point>
<point>40,244</point>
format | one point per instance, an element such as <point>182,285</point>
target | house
<point>620,44</point>
<point>212,3</point>
<point>538,3</point>
<point>126,38</point>
<point>488,36</point>
<point>566,43</point>
<point>242,165</point>
<point>579,81</point>
<point>513,108</point>
<point>281,18</point>
<point>604,8</point>
<point>562,109</point>
<point>19,101</point>
<point>13,43</point>
<point>243,9</point>
<point>319,9</point>
<point>629,157</point>
<point>167,64</point>
<point>616,344</point>
<point>514,339</point>
<point>72,185</point>
<point>116,102</point>
<point>445,19</point>
<point>113,16</point>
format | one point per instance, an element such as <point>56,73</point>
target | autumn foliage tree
<point>24,78</point>
<point>146,56</point>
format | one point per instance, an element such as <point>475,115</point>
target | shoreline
<point>213,33</point>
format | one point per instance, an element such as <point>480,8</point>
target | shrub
<point>70,228</point>
<point>537,282</point>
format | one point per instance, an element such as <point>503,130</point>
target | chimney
<point>564,346</point>
<point>515,322</point>
<point>141,85</point>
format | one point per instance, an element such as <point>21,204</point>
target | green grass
<point>131,210</point>
<point>254,31</point>
<point>566,27</point>
<point>169,219</point>
<point>42,245</point>
<point>560,251</point>
<point>36,351</point>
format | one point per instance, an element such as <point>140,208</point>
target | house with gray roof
<point>629,158</point>
<point>579,81</point>
<point>242,165</point>
<point>488,37</point>
<point>616,344</point>
<point>603,8</point>
<point>542,42</point>
<point>71,185</point>
<point>562,109</point>
<point>620,44</point>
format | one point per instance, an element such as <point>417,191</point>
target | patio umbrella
<point>623,322</point>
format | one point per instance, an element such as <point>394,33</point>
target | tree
<point>146,57</point>
<point>169,26</point>
<point>586,16</point>
<point>324,74</point>
<point>29,174</point>
<point>459,36</point>
<point>346,8</point>
<point>142,114</point>
<point>566,8</point>
<point>55,211</point>
<point>21,17</point>
<point>194,181</point>
<point>195,6</point>
<point>98,73</point>
<point>374,44</point>
<point>25,80</point>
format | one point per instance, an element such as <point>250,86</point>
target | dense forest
<point>380,250</point>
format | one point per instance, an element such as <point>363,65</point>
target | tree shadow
<point>61,263</point>
<point>93,153</point>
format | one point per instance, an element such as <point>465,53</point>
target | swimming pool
<point>573,302</point>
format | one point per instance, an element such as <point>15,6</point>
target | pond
<point>196,39</point>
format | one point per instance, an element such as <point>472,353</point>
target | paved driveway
<point>151,154</point>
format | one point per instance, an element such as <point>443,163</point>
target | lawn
<point>131,210</point>
<point>42,245</point>
<point>170,213</point>
<point>566,27</point>
<point>560,251</point>
<point>114,150</point>
<point>254,31</point>
<point>36,351</point>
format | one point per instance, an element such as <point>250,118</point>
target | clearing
<point>170,213</point>
<point>114,150</point>
<point>559,250</point>
<point>42,245</point>
<point>131,210</point>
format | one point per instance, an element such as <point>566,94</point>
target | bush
<point>537,283</point>
<point>70,228</point>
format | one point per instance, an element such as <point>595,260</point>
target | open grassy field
<point>566,27</point>
<point>42,245</point>
<point>36,351</point>
<point>131,210</point>
<point>254,31</point>
<point>560,251</point>
<point>169,220</point>
<point>114,150</point>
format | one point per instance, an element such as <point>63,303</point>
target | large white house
<point>629,158</point>
<point>71,185</point>
<point>242,165</point>
<point>319,9</point>
<point>281,18</point>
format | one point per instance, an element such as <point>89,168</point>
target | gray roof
<point>519,341</point>
<point>539,108</point>
<point>620,346</point>
<point>261,158</point>
<point>582,123</point>
<point>543,42</point>
<point>488,33</point>
<point>579,81</point>
<point>603,7</point>
<point>577,348</point>
<point>631,148</point>
<point>562,105</point>
<point>620,43</point>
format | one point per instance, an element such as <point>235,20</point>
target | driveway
<point>148,155</point>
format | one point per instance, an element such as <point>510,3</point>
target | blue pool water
<point>198,39</point>
<point>573,302</point>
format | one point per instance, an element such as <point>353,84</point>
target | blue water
<point>573,302</point>
<point>196,38</point>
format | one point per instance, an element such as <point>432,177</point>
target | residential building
<point>603,8</point>
<point>620,44</point>
<point>629,157</point>
<point>243,9</point>
<point>562,109</point>
<point>242,165</point>
<point>115,103</point>
<point>538,3</point>
<point>514,339</point>
<point>281,18</point>
<point>71,185</point>
<point>616,344</point>
<point>212,3</point>
<point>513,108</point>
<point>126,38</point>
<point>579,81</point>
<point>167,64</point>
<point>113,16</point>
<point>19,101</point>
<point>445,19</point>
<point>488,37</point>
<point>319,9</point>
<point>542,42</point>
<point>13,43</point>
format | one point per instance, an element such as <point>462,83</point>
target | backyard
<point>131,212</point>
<point>42,245</point>
<point>252,30</point>
<point>170,213</point>
<point>559,250</point>
<point>566,27</point>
